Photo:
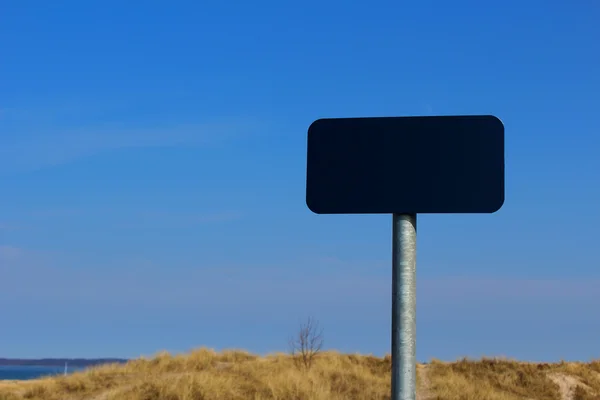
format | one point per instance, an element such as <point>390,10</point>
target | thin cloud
<point>123,219</point>
<point>282,280</point>
<point>5,226</point>
<point>137,283</point>
<point>63,146</point>
<point>189,218</point>
<point>513,289</point>
<point>55,213</point>
<point>8,253</point>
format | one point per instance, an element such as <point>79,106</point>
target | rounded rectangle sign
<point>405,165</point>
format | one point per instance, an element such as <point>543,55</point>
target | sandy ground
<point>423,392</point>
<point>12,385</point>
<point>567,385</point>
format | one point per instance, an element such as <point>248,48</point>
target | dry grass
<point>237,375</point>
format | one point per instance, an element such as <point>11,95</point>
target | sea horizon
<point>29,372</point>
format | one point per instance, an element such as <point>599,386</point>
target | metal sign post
<point>452,164</point>
<point>404,306</point>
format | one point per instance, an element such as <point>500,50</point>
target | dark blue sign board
<point>405,165</point>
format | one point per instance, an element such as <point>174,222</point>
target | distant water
<point>25,372</point>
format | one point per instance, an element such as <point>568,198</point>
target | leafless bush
<point>307,343</point>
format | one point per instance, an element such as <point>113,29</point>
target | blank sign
<point>441,164</point>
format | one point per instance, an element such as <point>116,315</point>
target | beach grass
<point>205,374</point>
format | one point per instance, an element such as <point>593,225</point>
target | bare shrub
<point>307,343</point>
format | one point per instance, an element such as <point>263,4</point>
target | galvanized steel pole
<point>404,307</point>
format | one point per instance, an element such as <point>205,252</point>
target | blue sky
<point>152,176</point>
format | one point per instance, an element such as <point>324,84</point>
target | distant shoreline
<point>59,362</point>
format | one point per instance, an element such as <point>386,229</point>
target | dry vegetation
<point>232,375</point>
